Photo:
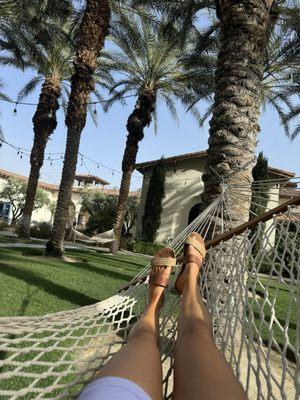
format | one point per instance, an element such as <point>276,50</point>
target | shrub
<point>41,230</point>
<point>167,240</point>
<point>153,205</point>
<point>69,236</point>
<point>126,244</point>
<point>147,248</point>
<point>3,225</point>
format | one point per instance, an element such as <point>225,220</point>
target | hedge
<point>147,248</point>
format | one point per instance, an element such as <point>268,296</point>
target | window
<point>4,210</point>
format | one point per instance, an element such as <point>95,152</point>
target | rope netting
<point>251,287</point>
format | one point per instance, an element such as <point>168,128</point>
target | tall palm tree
<point>94,23</point>
<point>252,69</point>
<point>147,65</point>
<point>52,61</point>
<point>4,97</point>
<point>234,127</point>
<point>91,35</point>
<point>34,11</point>
<point>281,72</point>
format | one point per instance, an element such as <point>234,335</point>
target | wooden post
<point>253,222</point>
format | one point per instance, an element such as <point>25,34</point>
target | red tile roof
<point>202,154</point>
<point>289,192</point>
<point>55,188</point>
<point>198,154</point>
<point>91,178</point>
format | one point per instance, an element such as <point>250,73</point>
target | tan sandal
<point>163,258</point>
<point>197,241</point>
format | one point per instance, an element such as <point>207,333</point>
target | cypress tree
<point>260,194</point>
<point>153,206</point>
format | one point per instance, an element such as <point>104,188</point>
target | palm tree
<point>34,12</point>
<point>239,93</point>
<point>52,61</point>
<point>147,65</point>
<point>255,57</point>
<point>91,35</point>
<point>281,71</point>
<point>4,97</point>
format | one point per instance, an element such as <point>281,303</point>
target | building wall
<point>44,214</point>
<point>183,188</point>
<point>272,203</point>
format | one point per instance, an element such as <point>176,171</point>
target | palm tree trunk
<point>233,136</point>
<point>234,127</point>
<point>137,121</point>
<point>44,124</point>
<point>92,33</point>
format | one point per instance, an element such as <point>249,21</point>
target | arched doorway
<point>194,212</point>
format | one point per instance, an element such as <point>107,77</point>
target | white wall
<point>183,189</point>
<point>43,214</point>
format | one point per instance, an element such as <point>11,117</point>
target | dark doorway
<point>194,212</point>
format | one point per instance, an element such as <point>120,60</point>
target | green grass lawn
<point>11,239</point>
<point>31,284</point>
<point>282,297</point>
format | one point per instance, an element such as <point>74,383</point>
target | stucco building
<point>183,188</point>
<point>45,214</point>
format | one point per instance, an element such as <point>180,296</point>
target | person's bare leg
<point>201,372</point>
<point>139,360</point>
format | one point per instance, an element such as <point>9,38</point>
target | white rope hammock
<point>55,355</point>
<point>101,238</point>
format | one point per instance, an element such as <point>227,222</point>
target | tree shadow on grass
<point>104,272</point>
<point>114,261</point>
<point>52,288</point>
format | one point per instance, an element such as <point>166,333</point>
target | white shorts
<point>113,388</point>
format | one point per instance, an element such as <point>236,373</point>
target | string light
<point>98,165</point>
<point>15,109</point>
<point>50,156</point>
<point>24,103</point>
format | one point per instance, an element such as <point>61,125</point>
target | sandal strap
<point>159,280</point>
<point>163,262</point>
<point>198,246</point>
<point>192,258</point>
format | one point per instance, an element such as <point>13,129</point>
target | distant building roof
<point>90,179</point>
<point>198,154</point>
<point>289,193</point>
<point>202,154</point>
<point>55,188</point>
<point>43,185</point>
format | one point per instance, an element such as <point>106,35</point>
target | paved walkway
<point>32,245</point>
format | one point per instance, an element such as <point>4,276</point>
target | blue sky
<point>105,143</point>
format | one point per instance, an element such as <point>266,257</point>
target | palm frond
<point>29,87</point>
